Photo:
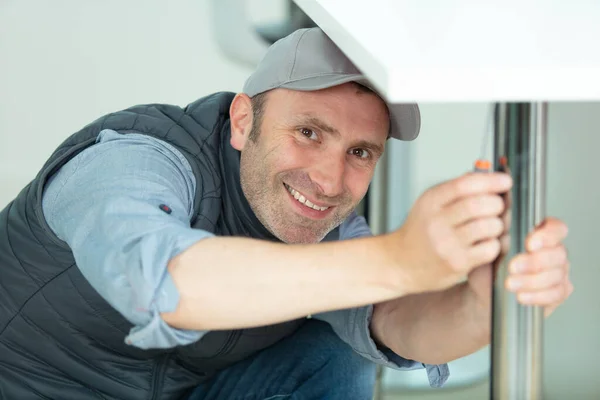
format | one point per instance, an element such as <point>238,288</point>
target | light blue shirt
<point>104,203</point>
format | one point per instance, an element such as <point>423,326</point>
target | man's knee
<point>313,363</point>
<point>336,362</point>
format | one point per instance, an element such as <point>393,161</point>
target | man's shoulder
<point>212,104</point>
<point>221,100</point>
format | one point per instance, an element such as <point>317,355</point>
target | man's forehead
<point>313,101</point>
<point>324,106</point>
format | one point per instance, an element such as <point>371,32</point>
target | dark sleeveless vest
<point>58,338</point>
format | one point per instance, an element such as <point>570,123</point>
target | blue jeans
<point>311,364</point>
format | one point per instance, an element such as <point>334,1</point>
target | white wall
<point>66,62</point>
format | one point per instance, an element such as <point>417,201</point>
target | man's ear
<point>240,114</point>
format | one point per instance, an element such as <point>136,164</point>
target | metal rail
<point>519,149</point>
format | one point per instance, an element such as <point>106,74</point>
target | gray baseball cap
<point>307,60</point>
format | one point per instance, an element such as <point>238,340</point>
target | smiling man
<point>213,252</point>
<point>301,149</point>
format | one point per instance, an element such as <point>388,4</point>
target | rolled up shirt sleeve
<point>353,325</point>
<point>124,207</point>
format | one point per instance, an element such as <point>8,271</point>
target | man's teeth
<point>304,200</point>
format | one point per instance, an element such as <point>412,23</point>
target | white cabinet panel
<point>467,50</point>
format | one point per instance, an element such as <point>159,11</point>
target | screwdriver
<point>483,164</point>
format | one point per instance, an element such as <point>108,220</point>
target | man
<point>212,252</point>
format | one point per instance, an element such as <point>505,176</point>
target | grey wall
<point>572,344</point>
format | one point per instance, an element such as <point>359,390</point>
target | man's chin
<point>300,236</point>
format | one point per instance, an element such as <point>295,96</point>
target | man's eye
<point>309,133</point>
<point>361,153</point>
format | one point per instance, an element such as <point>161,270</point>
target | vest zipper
<point>158,377</point>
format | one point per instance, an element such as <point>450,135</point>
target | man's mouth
<point>303,200</point>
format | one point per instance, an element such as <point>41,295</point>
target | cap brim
<point>405,118</point>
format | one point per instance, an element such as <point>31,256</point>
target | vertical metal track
<point>517,341</point>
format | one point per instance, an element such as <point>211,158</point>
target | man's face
<point>310,162</point>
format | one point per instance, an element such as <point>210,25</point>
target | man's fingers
<point>540,260</point>
<point>480,229</point>
<point>536,282</point>
<point>469,208</point>
<point>484,252</point>
<point>549,233</point>
<point>547,297</point>
<point>469,185</point>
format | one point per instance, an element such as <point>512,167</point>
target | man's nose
<point>328,175</point>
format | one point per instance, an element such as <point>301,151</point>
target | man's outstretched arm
<point>229,282</point>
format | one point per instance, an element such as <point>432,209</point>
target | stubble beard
<point>265,196</point>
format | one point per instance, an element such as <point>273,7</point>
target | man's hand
<point>456,230</point>
<point>453,228</point>
<point>539,276</point>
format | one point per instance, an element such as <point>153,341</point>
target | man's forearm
<point>433,328</point>
<point>230,283</point>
